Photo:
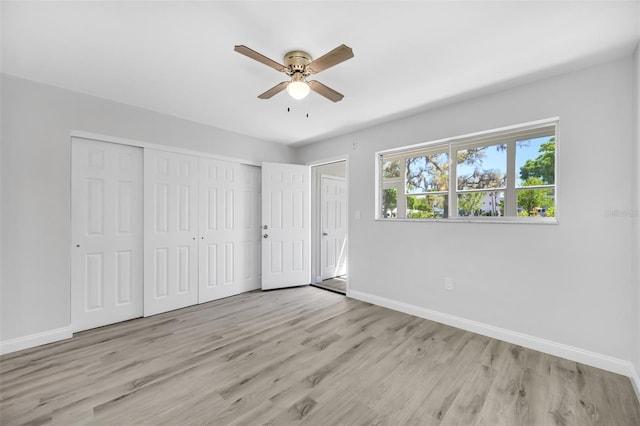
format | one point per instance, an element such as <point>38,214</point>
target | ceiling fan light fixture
<point>299,65</point>
<point>298,89</point>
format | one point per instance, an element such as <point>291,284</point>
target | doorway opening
<point>336,285</point>
<point>329,226</point>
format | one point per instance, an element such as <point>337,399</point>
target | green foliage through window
<point>391,169</point>
<point>389,203</point>
<point>426,206</point>
<point>543,166</point>
<point>428,173</point>
<point>510,174</point>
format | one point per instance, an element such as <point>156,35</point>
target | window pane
<point>428,173</point>
<point>536,161</point>
<point>536,203</point>
<point>391,169</point>
<point>481,204</point>
<point>390,203</point>
<point>427,206</point>
<point>482,167</point>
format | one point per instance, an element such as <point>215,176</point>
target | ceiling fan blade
<point>336,56</point>
<point>274,90</point>
<point>325,91</point>
<point>259,57</point>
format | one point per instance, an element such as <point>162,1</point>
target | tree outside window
<point>508,174</point>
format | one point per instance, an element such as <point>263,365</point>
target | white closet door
<point>333,200</point>
<point>220,236</point>
<point>251,227</point>
<point>170,231</point>
<point>106,233</point>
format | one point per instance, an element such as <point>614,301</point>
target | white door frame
<point>316,275</point>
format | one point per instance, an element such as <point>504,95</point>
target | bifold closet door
<point>106,233</point>
<point>220,238</point>
<point>229,249</point>
<point>170,231</point>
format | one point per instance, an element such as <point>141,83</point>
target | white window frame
<point>505,135</point>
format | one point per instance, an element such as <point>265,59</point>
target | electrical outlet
<point>448,284</point>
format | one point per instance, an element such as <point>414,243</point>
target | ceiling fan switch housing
<point>297,60</point>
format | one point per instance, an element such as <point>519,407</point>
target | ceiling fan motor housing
<point>296,61</point>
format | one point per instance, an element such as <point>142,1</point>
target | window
<point>506,174</point>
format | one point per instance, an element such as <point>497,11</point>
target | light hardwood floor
<point>302,355</point>
<point>337,284</point>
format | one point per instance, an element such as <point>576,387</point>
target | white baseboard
<point>583,356</point>
<point>635,381</point>
<point>33,340</point>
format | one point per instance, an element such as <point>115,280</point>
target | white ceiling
<point>177,57</point>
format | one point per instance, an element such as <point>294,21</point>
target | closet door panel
<point>220,237</point>
<point>170,231</point>
<point>106,233</point>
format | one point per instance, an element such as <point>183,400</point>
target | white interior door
<point>251,226</point>
<point>220,248</point>
<point>286,245</point>
<point>170,231</point>
<point>106,233</point>
<point>333,217</point>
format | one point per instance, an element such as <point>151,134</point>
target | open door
<point>286,255</point>
<point>333,223</point>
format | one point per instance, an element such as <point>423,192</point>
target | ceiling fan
<point>299,65</point>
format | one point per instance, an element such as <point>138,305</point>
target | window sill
<point>479,219</point>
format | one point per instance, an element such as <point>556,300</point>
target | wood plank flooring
<point>307,356</point>
<point>337,284</point>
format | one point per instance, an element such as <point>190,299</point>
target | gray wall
<point>573,283</point>
<point>338,169</point>
<point>636,196</point>
<point>35,192</point>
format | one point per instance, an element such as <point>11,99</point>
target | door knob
<point>324,234</point>
<point>265,236</point>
